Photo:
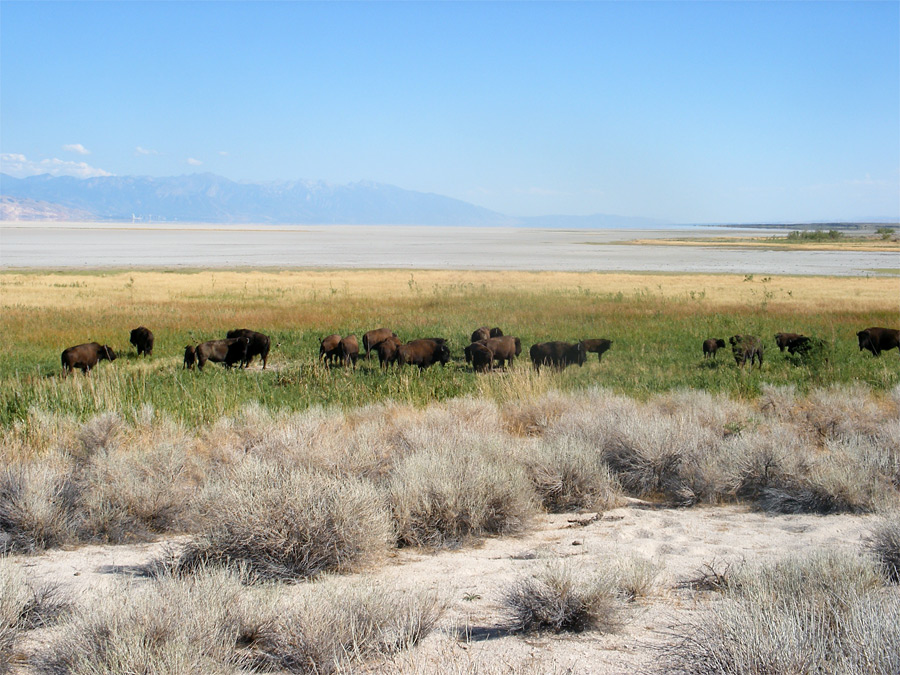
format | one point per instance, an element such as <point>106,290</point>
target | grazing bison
<point>190,356</point>
<point>86,356</point>
<point>374,337</point>
<point>480,356</point>
<point>423,353</point>
<point>387,350</point>
<point>878,340</point>
<point>711,346</point>
<point>349,349</point>
<point>259,344</point>
<point>557,354</point>
<point>746,348</point>
<point>806,347</point>
<point>330,348</point>
<point>229,351</point>
<point>505,349</point>
<point>782,339</point>
<point>598,347</point>
<point>142,339</point>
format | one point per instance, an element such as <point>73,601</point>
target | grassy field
<point>656,322</point>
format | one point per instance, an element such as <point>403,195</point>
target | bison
<point>349,350</point>
<point>807,347</point>
<point>878,340</point>
<point>557,354</point>
<point>229,351</point>
<point>480,356</point>
<point>746,348</point>
<point>423,353</point>
<point>330,348</point>
<point>387,350</point>
<point>711,346</point>
<point>372,338</point>
<point>84,357</point>
<point>598,347</point>
<point>190,356</point>
<point>259,344</point>
<point>484,333</point>
<point>782,339</point>
<point>505,348</point>
<point>142,339</point>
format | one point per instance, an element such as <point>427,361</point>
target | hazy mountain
<point>210,198</point>
<point>12,208</point>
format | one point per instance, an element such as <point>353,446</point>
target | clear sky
<point>684,111</point>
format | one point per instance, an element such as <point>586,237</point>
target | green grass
<point>656,347</point>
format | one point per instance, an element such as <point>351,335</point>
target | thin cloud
<point>19,166</point>
<point>76,147</point>
<point>223,153</point>
<point>144,151</point>
<point>194,162</point>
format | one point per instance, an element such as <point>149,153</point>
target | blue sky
<point>685,111</point>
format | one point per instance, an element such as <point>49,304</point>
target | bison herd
<point>488,348</point>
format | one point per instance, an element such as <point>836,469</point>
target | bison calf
<point>711,346</point>
<point>598,347</point>
<point>387,350</point>
<point>480,356</point>
<point>86,356</point>
<point>349,350</point>
<point>330,348</point>
<point>142,339</point>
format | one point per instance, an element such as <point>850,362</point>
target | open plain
<point>423,520</point>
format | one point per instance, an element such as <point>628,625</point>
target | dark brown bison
<point>259,344</point>
<point>86,356</point>
<point>373,337</point>
<point>878,340</point>
<point>711,346</point>
<point>484,333</point>
<point>423,353</point>
<point>480,356</point>
<point>746,348</point>
<point>505,349</point>
<point>387,350</point>
<point>190,356</point>
<point>557,354</point>
<point>229,351</point>
<point>330,348</point>
<point>782,339</point>
<point>598,347</point>
<point>807,347</point>
<point>142,339</point>
<point>349,349</point>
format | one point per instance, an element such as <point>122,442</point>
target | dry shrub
<point>844,410</point>
<point>336,626</point>
<point>777,401</point>
<point>457,487</point>
<point>37,507</point>
<point>562,597</point>
<point>824,613</point>
<point>101,433</point>
<point>884,545</point>
<point>284,524</point>
<point>534,417</point>
<point>715,412</point>
<point>569,476</point>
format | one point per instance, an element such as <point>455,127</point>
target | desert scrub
<point>456,487</point>
<point>212,622</point>
<point>287,524</point>
<point>826,612</point>
<point>884,545</point>
<point>563,597</point>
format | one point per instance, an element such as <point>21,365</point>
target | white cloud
<point>144,151</point>
<point>194,162</point>
<point>20,167</point>
<point>223,153</point>
<point>76,147</point>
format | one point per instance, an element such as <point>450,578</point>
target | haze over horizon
<point>684,112</point>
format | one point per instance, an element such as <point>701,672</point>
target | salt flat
<point>105,245</point>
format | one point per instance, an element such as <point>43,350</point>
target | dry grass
<point>884,545</point>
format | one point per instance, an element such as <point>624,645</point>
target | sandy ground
<point>470,637</point>
<point>88,245</point>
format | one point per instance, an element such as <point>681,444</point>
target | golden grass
<point>70,291</point>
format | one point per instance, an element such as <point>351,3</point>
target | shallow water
<point>103,245</point>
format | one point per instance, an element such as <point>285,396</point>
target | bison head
<point>865,339</point>
<point>190,357</point>
<point>106,352</point>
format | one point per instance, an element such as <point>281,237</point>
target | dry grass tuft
<point>283,524</point>
<point>884,545</point>
<point>563,598</point>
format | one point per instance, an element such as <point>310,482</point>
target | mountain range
<point>210,198</point>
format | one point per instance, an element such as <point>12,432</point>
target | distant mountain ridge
<point>207,197</point>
